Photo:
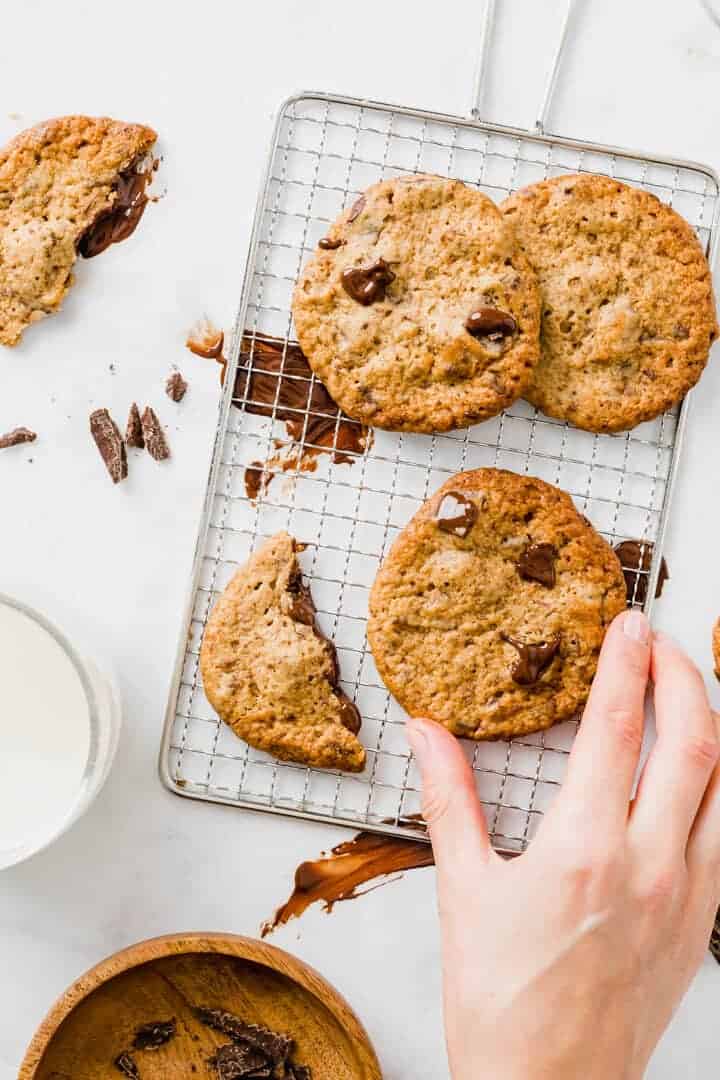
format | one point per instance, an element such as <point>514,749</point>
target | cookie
<point>417,311</point>
<point>68,186</point>
<point>628,308</point>
<point>489,611</point>
<point>716,647</point>
<point>268,671</point>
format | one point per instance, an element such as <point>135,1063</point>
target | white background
<point>111,564</point>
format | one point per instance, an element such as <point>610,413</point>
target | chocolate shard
<point>125,1064</point>
<point>109,442</point>
<point>537,563</point>
<point>456,514</point>
<point>533,658</point>
<point>154,435</point>
<point>233,1062</point>
<point>367,284</point>
<point>16,437</point>
<point>275,1046</point>
<point>490,323</point>
<point>636,559</point>
<point>133,429</point>
<point>154,1035</point>
<point>175,386</point>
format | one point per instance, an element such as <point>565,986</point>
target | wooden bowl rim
<point>238,945</point>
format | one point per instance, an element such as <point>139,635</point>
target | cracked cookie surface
<point>270,674</point>
<point>628,308</point>
<point>417,311</point>
<point>490,620</point>
<point>57,181</point>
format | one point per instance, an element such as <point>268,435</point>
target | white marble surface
<point>111,565</point>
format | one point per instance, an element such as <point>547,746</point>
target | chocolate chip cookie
<point>628,309</point>
<point>68,186</point>
<point>417,311</point>
<point>269,672</point>
<point>489,612</point>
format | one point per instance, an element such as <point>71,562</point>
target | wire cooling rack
<point>325,151</point>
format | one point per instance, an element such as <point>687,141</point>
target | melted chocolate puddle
<point>339,875</point>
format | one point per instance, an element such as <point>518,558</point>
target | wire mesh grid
<point>349,511</point>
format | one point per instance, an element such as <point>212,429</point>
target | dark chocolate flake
<point>636,559</point>
<point>367,284</point>
<point>175,386</point>
<point>133,429</point>
<point>154,436</point>
<point>537,563</point>
<point>16,437</point>
<point>233,1062</point>
<point>109,442</point>
<point>125,1064</point>
<point>275,1046</point>
<point>456,514</point>
<point>154,1035</point>
<point>533,658</point>
<point>490,323</point>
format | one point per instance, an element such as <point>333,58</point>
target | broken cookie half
<point>269,672</point>
<point>68,186</point>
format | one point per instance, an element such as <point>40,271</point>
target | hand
<point>569,960</point>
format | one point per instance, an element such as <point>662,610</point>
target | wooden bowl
<point>166,977</point>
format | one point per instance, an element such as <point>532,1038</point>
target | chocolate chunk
<point>456,514</point>
<point>154,436</point>
<point>109,442</point>
<point>636,559</point>
<point>153,1035</point>
<point>125,1063</point>
<point>276,1047</point>
<point>302,608</point>
<point>357,208</point>
<point>17,436</point>
<point>133,429</point>
<point>205,340</point>
<point>176,386</point>
<point>366,284</point>
<point>329,245</point>
<point>490,323</point>
<point>349,715</point>
<point>537,563</point>
<point>122,219</point>
<point>233,1062</point>
<point>533,658</point>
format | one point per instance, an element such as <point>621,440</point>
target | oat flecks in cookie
<point>381,310</point>
<point>17,437</point>
<point>270,674</point>
<point>460,636</point>
<point>133,429</point>
<point>628,308</point>
<point>110,443</point>
<point>154,435</point>
<point>175,386</point>
<point>61,182</point>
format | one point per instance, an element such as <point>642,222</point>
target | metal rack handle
<point>540,125</point>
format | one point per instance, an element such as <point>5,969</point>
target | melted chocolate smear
<point>256,480</point>
<point>153,1035</point>
<point>275,378</point>
<point>367,284</point>
<point>533,658</point>
<point>537,563</point>
<point>302,608</point>
<point>636,558</point>
<point>329,245</point>
<point>490,323</point>
<point>338,876</point>
<point>349,715</point>
<point>456,514</point>
<point>123,218</point>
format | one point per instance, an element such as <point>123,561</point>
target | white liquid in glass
<point>44,736</point>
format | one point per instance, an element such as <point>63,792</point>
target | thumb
<point>450,803</point>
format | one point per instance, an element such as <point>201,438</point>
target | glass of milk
<point>59,726</point>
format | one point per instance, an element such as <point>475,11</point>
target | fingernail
<point>416,735</point>
<point>636,626</point>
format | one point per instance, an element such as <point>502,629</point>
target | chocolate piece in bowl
<point>269,672</point>
<point>70,186</point>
